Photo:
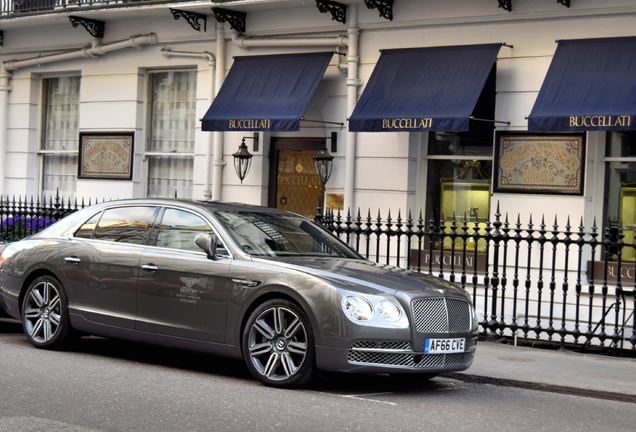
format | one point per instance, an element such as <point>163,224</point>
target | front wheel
<point>278,345</point>
<point>45,314</point>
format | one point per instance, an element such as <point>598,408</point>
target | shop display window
<point>628,219</point>
<point>620,190</point>
<point>459,188</point>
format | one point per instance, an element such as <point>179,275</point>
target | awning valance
<point>424,89</point>
<point>590,85</point>
<point>266,93</point>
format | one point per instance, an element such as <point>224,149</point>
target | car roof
<point>207,205</point>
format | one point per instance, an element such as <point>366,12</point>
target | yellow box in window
<point>628,221</point>
<point>469,199</point>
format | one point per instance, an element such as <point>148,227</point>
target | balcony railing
<point>10,8</point>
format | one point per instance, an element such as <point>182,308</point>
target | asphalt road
<point>107,385</point>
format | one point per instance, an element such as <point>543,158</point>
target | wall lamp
<point>243,157</point>
<point>323,162</point>
<point>242,161</point>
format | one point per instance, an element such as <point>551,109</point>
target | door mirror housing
<point>207,242</point>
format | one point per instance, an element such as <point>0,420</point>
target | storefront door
<point>295,186</point>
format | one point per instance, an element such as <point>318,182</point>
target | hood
<point>367,276</point>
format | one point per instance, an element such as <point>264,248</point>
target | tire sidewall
<point>307,372</point>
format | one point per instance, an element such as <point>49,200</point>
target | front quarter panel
<point>310,293</point>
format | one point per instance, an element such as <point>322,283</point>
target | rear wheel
<point>45,314</point>
<point>278,345</point>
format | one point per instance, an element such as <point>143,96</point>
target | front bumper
<point>376,349</point>
<point>392,357</point>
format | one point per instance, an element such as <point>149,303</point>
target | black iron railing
<point>570,286</point>
<point>20,217</point>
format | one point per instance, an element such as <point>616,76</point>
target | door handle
<point>149,267</point>
<point>72,260</point>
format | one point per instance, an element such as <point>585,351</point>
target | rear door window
<point>124,224</point>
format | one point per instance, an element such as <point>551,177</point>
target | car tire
<point>45,317</point>
<point>278,345</point>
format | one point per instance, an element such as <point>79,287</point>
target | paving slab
<point>553,370</point>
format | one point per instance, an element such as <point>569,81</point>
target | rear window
<point>121,224</point>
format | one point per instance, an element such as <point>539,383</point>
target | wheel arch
<point>28,280</point>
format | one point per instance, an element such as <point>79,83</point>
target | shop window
<point>169,153</point>
<point>459,187</point>
<point>620,188</point>
<point>59,146</point>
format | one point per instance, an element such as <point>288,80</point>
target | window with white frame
<point>59,147</point>
<point>169,152</point>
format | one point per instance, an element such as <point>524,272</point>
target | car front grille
<point>441,315</point>
<point>399,354</point>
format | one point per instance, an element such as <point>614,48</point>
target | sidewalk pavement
<point>564,372</point>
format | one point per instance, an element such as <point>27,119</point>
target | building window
<point>58,151</point>
<point>620,188</point>
<point>459,183</point>
<point>169,153</point>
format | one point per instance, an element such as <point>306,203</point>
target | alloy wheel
<point>43,311</point>
<point>277,343</point>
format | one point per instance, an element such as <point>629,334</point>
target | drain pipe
<point>94,50</point>
<point>219,77</point>
<point>246,42</point>
<point>353,59</point>
<point>168,52</point>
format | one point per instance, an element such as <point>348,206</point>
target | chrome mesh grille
<point>410,360</point>
<point>441,315</point>
<point>382,345</point>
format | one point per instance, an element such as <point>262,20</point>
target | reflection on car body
<point>267,286</point>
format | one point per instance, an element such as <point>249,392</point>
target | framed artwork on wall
<point>106,155</point>
<point>539,163</point>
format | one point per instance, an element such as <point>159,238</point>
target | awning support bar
<point>321,121</point>
<point>491,121</point>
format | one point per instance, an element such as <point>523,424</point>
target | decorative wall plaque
<point>537,163</point>
<point>105,155</point>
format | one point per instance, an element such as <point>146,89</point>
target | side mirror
<point>207,242</point>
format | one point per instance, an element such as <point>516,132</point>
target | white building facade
<point>105,99</point>
<point>153,75</point>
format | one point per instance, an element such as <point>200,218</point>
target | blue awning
<point>590,85</point>
<point>266,93</point>
<point>424,89</point>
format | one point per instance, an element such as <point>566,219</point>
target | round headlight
<point>357,308</point>
<point>389,311</point>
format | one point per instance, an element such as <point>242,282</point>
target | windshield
<point>268,234</point>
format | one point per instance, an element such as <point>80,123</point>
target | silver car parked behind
<point>269,286</point>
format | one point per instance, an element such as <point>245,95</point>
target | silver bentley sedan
<point>268,286</point>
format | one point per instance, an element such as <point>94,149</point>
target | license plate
<point>444,346</point>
